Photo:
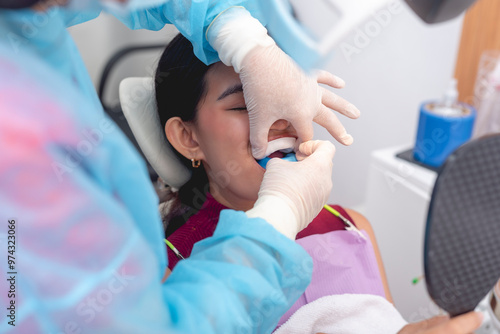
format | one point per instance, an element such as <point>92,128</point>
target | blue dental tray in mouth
<point>288,157</point>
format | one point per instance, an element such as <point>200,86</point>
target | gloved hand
<point>273,84</point>
<point>276,88</point>
<point>292,193</point>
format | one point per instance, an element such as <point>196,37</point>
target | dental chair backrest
<point>137,98</point>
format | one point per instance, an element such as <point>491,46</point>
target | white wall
<point>99,39</point>
<point>405,63</point>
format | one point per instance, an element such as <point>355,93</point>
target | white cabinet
<point>397,200</point>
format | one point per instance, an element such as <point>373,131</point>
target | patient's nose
<point>280,124</point>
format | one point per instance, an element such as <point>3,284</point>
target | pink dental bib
<point>343,263</point>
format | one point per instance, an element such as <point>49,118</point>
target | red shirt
<point>202,225</point>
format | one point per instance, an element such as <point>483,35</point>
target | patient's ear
<point>182,137</point>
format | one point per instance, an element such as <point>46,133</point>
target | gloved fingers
<point>327,119</point>
<point>259,131</point>
<point>322,148</point>
<point>277,164</point>
<point>302,186</point>
<point>305,130</point>
<point>327,78</point>
<point>335,102</point>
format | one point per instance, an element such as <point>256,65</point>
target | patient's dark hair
<point>180,86</point>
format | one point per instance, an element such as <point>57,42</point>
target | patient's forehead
<point>218,79</point>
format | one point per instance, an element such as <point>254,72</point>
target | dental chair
<point>113,110</point>
<point>137,98</point>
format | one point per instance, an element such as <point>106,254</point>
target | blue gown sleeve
<point>191,18</point>
<point>89,253</point>
<point>236,273</point>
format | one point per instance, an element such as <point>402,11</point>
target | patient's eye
<point>240,109</point>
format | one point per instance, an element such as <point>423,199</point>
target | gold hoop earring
<point>195,163</point>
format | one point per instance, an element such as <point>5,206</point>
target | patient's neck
<point>231,200</point>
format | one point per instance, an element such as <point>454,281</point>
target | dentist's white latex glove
<point>273,84</point>
<point>293,193</point>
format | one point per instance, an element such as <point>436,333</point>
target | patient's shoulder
<point>360,221</point>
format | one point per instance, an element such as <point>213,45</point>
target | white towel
<point>346,314</point>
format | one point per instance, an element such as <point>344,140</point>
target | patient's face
<point>222,129</point>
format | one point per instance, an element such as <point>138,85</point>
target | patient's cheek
<point>234,168</point>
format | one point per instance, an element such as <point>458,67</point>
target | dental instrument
<point>175,250</point>
<point>349,226</point>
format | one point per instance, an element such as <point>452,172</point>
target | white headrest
<point>137,98</point>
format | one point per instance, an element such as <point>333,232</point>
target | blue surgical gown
<point>85,235</point>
